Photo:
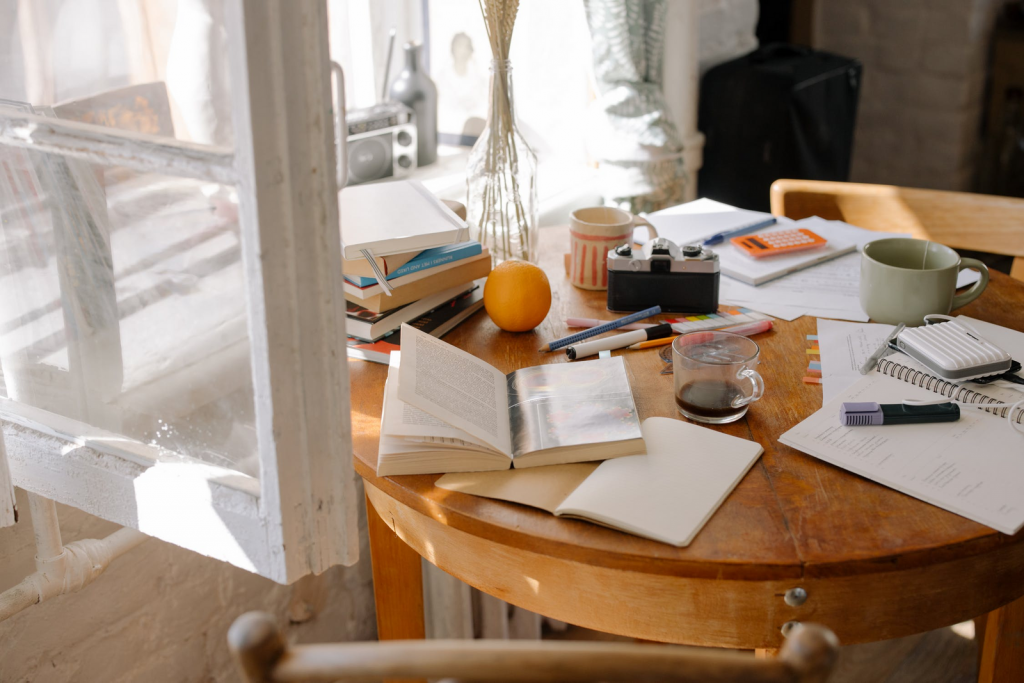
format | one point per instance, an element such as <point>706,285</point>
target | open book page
<point>670,493</point>
<point>539,487</point>
<point>406,420</point>
<point>454,386</point>
<point>570,404</point>
<point>973,467</point>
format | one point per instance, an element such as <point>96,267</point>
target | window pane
<point>122,304</point>
<point>153,66</point>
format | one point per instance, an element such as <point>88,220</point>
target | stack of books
<point>400,231</point>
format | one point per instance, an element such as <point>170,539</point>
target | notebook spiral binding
<point>948,389</point>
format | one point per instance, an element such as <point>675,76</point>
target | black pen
<point>619,341</point>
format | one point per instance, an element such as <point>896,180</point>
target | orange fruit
<point>517,296</point>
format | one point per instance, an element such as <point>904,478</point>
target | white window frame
<point>298,517</point>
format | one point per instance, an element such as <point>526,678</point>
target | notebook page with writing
<point>670,493</point>
<point>973,467</point>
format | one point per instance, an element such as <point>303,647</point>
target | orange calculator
<point>779,242</point>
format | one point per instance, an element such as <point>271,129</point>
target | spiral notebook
<point>973,467</point>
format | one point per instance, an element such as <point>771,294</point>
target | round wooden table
<point>873,563</point>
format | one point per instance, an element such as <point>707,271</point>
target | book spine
<point>417,265</point>
<point>950,390</point>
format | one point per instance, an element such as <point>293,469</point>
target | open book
<point>447,411</point>
<point>667,495</point>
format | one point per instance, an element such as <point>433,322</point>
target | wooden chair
<point>957,219</point>
<point>263,656</point>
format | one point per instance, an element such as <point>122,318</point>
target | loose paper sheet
<point>845,347</point>
<point>973,467</point>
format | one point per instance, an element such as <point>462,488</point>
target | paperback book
<point>447,411</point>
<point>437,323</point>
<point>424,261</point>
<point>369,326</point>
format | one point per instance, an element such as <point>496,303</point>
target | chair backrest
<point>262,656</point>
<point>957,219</point>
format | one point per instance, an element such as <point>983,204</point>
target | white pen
<point>872,360</point>
<point>619,341</point>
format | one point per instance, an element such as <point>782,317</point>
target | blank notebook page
<point>671,492</point>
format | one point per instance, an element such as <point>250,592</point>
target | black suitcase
<point>782,111</point>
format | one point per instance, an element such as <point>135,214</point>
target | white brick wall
<point>924,79</point>
<point>160,613</point>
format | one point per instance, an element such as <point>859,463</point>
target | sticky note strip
<point>813,373</point>
<point>812,380</point>
<point>812,337</point>
<point>814,352</point>
<point>814,365</point>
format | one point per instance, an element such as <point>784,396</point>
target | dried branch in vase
<point>502,167</point>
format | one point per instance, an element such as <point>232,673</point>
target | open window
<point>172,340</point>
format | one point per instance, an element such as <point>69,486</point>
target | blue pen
<point>614,324</point>
<point>722,236</point>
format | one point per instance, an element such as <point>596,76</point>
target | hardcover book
<point>447,411</point>
<point>422,263</point>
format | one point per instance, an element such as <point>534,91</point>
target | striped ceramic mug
<point>594,231</point>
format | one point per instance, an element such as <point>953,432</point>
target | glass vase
<point>502,179</point>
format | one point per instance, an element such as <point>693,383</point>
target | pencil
<point>653,342</point>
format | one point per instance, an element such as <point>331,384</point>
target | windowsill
<point>562,186</point>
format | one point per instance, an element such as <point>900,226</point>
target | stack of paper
<point>826,290</point>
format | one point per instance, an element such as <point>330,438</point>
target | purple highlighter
<point>860,414</point>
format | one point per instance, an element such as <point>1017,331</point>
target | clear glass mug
<point>714,375</point>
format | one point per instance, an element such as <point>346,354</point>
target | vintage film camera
<point>683,280</point>
<point>381,142</point>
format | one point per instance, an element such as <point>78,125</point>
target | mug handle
<point>755,378</point>
<point>651,230</point>
<point>979,286</point>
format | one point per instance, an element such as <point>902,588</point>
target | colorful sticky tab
<point>814,365</point>
<point>812,337</point>
<point>812,380</point>
<point>814,352</point>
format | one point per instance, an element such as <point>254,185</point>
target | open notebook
<point>447,411</point>
<point>667,495</point>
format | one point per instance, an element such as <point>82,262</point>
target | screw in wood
<point>795,597</point>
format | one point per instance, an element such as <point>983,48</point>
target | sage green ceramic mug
<point>902,280</point>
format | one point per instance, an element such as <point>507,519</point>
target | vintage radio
<point>381,142</point>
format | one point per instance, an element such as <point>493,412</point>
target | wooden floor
<point>947,655</point>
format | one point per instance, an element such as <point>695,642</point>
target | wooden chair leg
<point>1002,645</point>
